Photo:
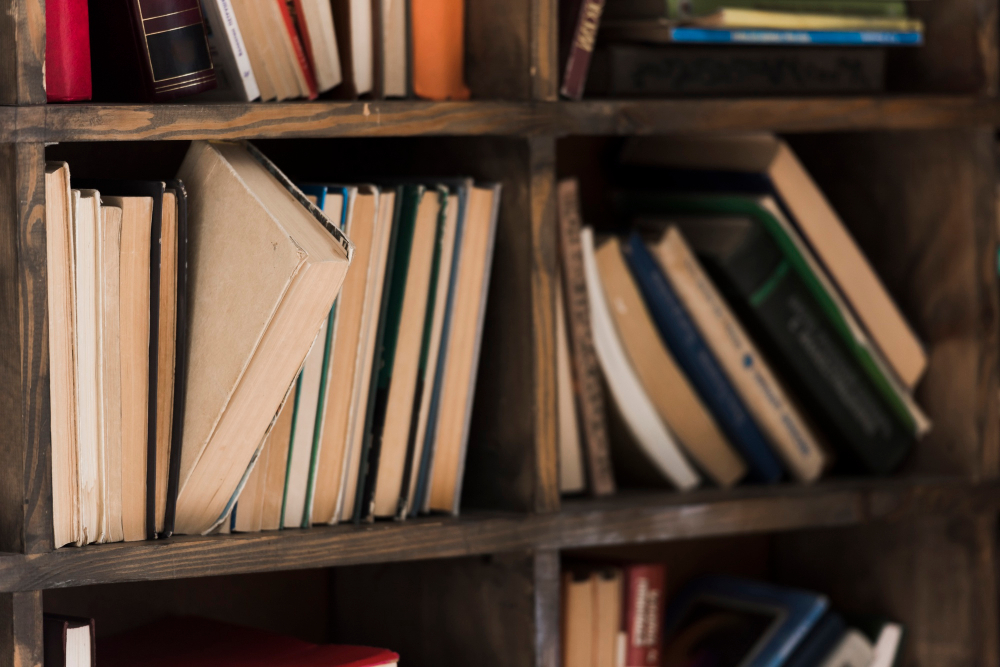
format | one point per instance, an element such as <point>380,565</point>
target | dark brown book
<point>149,50</point>
<point>586,374</point>
<point>67,635</point>
<point>578,24</point>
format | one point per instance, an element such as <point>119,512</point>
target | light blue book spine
<point>795,37</point>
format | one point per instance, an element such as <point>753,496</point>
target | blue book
<point>728,620</point>
<point>819,643</point>
<point>685,342</point>
<point>795,37</point>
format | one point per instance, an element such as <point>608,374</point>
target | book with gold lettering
<point>578,23</point>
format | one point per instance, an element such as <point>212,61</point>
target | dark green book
<point>404,219</point>
<point>767,288</point>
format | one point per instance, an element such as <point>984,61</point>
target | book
<point>656,70</point>
<point>235,75</point>
<point>572,478</point>
<point>609,591</point>
<point>701,367</point>
<point>200,642</point>
<point>237,381</point>
<point>67,51</point>
<point>742,17</point>
<point>763,623</point>
<point>278,55</point>
<point>395,48</point>
<point>854,650</point>
<point>579,21</point>
<point>820,642</point>
<point>673,397</point>
<point>634,404</point>
<point>665,32</point>
<point>686,9</point>
<point>111,409</point>
<point>815,220</point>
<point>68,641</point>
<point>63,397</point>
<point>748,371</point>
<point>257,48</point>
<point>644,605</point>
<point>355,40</point>
<point>748,253</point>
<point>586,375</point>
<point>274,466</point>
<point>458,379</point>
<point>315,22</point>
<point>291,40</point>
<point>149,50</point>
<point>437,31</point>
<point>577,619</point>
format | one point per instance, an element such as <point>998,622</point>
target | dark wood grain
<point>21,629</point>
<point>547,608</point>
<point>625,519</point>
<point>545,50</point>
<point>25,481</point>
<point>22,52</point>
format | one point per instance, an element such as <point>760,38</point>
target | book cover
<point>67,51</point>
<point>579,21</point>
<point>644,605</point>
<point>438,43</point>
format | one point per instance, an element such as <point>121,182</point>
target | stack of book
<point>638,53</point>
<point>618,617</point>
<point>195,332</point>
<point>739,329</point>
<point>254,49</point>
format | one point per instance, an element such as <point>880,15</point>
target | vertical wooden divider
<point>21,629</point>
<point>22,52</point>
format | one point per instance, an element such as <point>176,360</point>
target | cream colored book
<point>675,400</point>
<point>608,599</point>
<point>571,471</point>
<point>747,370</point>
<point>395,54</point>
<point>578,602</point>
<point>133,325</point>
<point>249,509</point>
<point>61,282</point>
<point>167,349</point>
<point>265,268</point>
<point>303,429</point>
<point>738,17</point>
<point>111,370</point>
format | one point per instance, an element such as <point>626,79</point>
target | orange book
<point>439,49</point>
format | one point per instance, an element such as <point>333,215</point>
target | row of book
<point>192,642</point>
<point>739,329</point>
<point>199,350</point>
<point>618,616</point>
<point>158,50</point>
<point>643,48</point>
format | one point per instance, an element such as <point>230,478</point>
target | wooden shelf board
<point>625,519</point>
<point>116,122</point>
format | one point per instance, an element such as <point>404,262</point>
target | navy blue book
<point>722,620</point>
<point>819,643</point>
<point>685,342</point>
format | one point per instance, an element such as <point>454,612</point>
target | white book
<point>887,645</point>
<point>638,411</point>
<point>236,79</point>
<point>854,650</point>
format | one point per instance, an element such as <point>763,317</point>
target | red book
<point>197,642</point>
<point>644,607</point>
<point>67,51</point>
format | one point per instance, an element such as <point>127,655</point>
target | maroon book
<point>149,50</point>
<point>67,51</point>
<point>578,24</point>
<point>643,611</point>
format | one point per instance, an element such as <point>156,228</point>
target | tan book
<point>61,283</point>
<point>361,228</point>
<point>133,312</point>
<point>269,29</point>
<point>366,356</point>
<point>399,409</point>
<point>664,382</point>
<point>250,508</point>
<point>166,352</point>
<point>459,381</point>
<point>395,54</point>
<point>578,620</point>
<point>322,39</point>
<point>608,594</point>
<point>814,218</point>
<point>111,371</point>
<point>276,446</point>
<point>264,269</point>
<point>571,473</point>
<point>288,60</point>
<point>264,70</point>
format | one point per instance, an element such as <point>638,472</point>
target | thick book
<point>749,372</point>
<point>657,70</point>
<point>586,375</point>
<point>754,623</point>
<point>666,32</point>
<point>675,400</point>
<point>579,21</point>
<point>67,51</point>
<point>68,641</point>
<point>239,375</point>
<point>437,29</point>
<point>764,164</point>
<point>644,604</point>
<point>200,642</point>
<point>701,366</point>
<point>770,281</point>
<point>236,78</point>
<point>149,50</point>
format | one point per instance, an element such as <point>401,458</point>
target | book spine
<point>298,34</point>
<point>236,52</point>
<point>165,28</point>
<point>645,602</point>
<point>788,313</point>
<point>67,51</point>
<point>581,48</point>
<point>689,9</point>
<point>689,349</point>
<point>828,37</point>
<point>586,376</point>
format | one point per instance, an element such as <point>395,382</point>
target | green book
<point>678,10</point>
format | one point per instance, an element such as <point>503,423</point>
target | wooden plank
<point>545,50</point>
<point>498,57</point>
<point>636,518</point>
<point>21,629</point>
<point>25,477</point>
<point>22,52</point>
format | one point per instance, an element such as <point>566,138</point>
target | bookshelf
<point>912,172</point>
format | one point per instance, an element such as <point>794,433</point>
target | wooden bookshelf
<point>912,172</point>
